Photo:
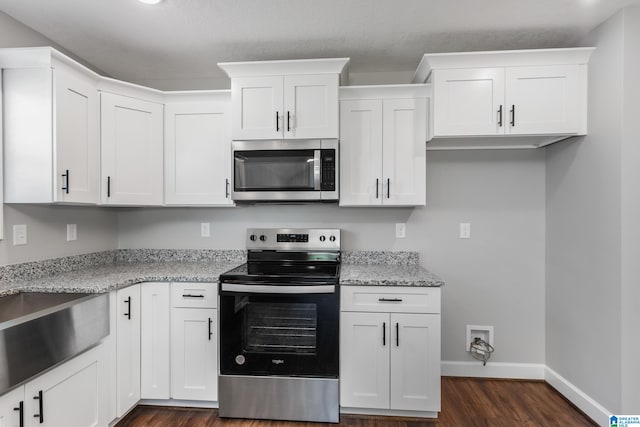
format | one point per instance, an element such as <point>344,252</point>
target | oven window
<point>274,170</point>
<point>280,328</point>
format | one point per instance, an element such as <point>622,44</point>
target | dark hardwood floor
<point>466,402</point>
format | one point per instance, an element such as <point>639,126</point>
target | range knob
<point>263,238</point>
<point>253,237</point>
<point>332,238</point>
<point>322,238</point>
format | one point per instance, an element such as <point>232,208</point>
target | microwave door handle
<point>316,170</point>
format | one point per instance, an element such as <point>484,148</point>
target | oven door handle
<point>278,289</point>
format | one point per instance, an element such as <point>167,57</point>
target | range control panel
<point>294,239</point>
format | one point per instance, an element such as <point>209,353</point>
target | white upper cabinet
<point>197,160</point>
<point>285,99</point>
<point>528,98</point>
<point>132,150</point>
<point>51,129</point>
<point>383,131</point>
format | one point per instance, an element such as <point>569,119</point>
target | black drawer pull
<point>390,299</point>
<point>40,405</point>
<point>384,333</point>
<point>128,313</point>
<point>192,296</point>
<point>397,334</point>
<point>210,331</point>
<point>20,410</point>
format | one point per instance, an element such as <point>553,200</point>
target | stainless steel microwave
<point>283,170</point>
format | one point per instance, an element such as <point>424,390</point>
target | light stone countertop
<point>387,275</point>
<point>115,276</point>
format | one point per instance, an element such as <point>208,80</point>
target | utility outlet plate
<point>485,333</point>
<point>205,229</point>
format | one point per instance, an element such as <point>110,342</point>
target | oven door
<point>283,330</point>
<point>283,171</point>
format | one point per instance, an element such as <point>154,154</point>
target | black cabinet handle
<point>40,407</point>
<point>20,409</point>
<point>210,331</point>
<point>500,116</point>
<point>108,186</point>
<point>277,121</point>
<point>226,188</point>
<point>192,296</point>
<point>66,180</point>
<point>397,334</point>
<point>377,188</point>
<point>384,333</point>
<point>388,188</point>
<point>288,121</point>
<point>513,115</point>
<point>128,313</point>
<point>390,299</point>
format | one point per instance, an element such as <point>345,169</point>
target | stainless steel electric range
<point>279,328</point>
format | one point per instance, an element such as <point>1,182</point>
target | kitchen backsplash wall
<point>500,192</point>
<point>47,232</point>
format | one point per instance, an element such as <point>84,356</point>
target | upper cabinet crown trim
<point>501,58</point>
<point>287,67</point>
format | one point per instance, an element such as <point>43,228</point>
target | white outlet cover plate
<point>20,234</point>
<point>72,232</point>
<point>205,229</point>
<point>465,230</point>
<point>401,230</point>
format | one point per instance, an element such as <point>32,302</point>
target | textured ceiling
<point>184,39</point>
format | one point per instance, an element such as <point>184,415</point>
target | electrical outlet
<point>205,229</point>
<point>465,230</point>
<point>20,234</point>
<point>485,333</point>
<point>72,232</point>
<point>401,230</point>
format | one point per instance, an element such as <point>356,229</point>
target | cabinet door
<point>364,360</point>
<point>257,108</point>
<point>10,408</point>
<point>361,153</point>
<point>197,154</point>
<point>415,362</point>
<point>154,341</point>
<point>194,354</point>
<point>404,151</point>
<point>72,395</point>
<point>311,106</point>
<point>131,131</point>
<point>468,102</point>
<point>76,137</point>
<point>128,348</point>
<point>543,100</point>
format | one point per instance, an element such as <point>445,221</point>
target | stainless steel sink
<point>41,330</point>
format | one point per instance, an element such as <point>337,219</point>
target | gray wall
<point>47,224</point>
<point>630,350</point>
<point>584,232</point>
<point>495,278</point>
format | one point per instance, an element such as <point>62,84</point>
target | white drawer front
<point>196,295</point>
<point>390,299</point>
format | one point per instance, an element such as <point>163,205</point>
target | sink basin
<point>40,330</point>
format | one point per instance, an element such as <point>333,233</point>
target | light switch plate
<point>205,229</point>
<point>401,230</point>
<point>72,232</point>
<point>20,234</point>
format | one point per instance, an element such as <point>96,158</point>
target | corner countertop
<point>111,277</point>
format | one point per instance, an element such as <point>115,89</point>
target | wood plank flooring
<point>466,402</point>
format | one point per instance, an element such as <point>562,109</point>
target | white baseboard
<point>528,371</point>
<point>593,409</point>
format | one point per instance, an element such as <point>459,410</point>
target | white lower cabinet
<point>127,312</point>
<point>390,354</point>
<point>75,394</point>
<point>155,301</point>
<point>194,354</point>
<point>12,408</point>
